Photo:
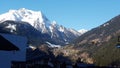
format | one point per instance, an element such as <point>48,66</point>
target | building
<point>12,48</point>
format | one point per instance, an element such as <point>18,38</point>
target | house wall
<point>7,56</point>
<point>5,59</point>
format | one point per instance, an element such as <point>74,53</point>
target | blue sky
<point>77,14</point>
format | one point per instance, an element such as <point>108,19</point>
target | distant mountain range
<point>36,27</point>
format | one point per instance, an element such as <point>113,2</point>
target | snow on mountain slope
<point>82,31</point>
<point>41,23</point>
<point>53,45</point>
<point>12,27</point>
<point>75,32</point>
<point>35,18</point>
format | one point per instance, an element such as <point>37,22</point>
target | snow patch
<point>75,32</point>
<point>51,30</point>
<point>53,45</point>
<point>61,29</point>
<point>32,47</point>
<point>106,24</point>
<point>54,22</point>
<point>82,31</point>
<point>12,27</point>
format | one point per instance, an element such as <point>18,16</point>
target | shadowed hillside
<point>100,43</point>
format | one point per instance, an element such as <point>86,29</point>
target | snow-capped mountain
<point>36,19</point>
<point>58,33</point>
<point>82,31</point>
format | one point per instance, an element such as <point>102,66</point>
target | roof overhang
<point>7,45</point>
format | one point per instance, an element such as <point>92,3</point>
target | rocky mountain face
<point>23,29</point>
<point>99,43</point>
<point>36,27</point>
<point>100,34</point>
<point>97,46</point>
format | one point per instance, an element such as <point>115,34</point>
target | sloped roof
<point>7,45</point>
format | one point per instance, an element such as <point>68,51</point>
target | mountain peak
<point>23,9</point>
<point>54,22</point>
<point>27,11</point>
<point>82,31</point>
<point>22,14</point>
<point>35,18</point>
<point>41,23</point>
